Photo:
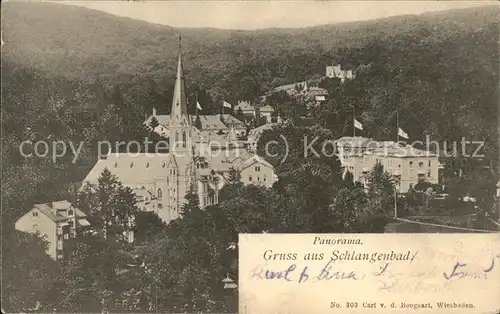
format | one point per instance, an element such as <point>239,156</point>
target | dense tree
<point>192,201</point>
<point>29,275</point>
<point>111,205</point>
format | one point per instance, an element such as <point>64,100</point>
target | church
<point>162,180</point>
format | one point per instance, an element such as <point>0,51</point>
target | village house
<point>257,171</point>
<point>266,112</point>
<point>246,108</point>
<point>234,125</point>
<point>56,222</point>
<point>407,165</point>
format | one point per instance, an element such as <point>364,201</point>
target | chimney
<point>154,112</point>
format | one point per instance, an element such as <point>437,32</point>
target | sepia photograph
<point>152,152</point>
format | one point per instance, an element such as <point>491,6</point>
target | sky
<point>249,15</point>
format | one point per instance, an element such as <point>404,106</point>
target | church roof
<point>132,169</point>
<point>208,122</point>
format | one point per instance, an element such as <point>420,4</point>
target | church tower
<point>181,168</point>
<point>180,124</point>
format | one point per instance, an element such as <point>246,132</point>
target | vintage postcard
<point>250,156</point>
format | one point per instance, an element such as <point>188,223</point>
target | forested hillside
<point>70,73</point>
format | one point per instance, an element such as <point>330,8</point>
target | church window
<point>257,168</point>
<point>184,139</point>
<point>159,193</point>
<point>176,138</point>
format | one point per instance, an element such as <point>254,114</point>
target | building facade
<point>408,166</point>
<point>245,107</point>
<point>56,222</point>
<point>335,71</point>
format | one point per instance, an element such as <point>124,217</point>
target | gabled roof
<point>254,160</point>
<point>262,128</point>
<point>57,211</point>
<point>288,86</point>
<point>244,105</point>
<point>266,108</point>
<point>230,119</point>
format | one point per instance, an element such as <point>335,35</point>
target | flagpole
<point>397,126</point>
<point>353,123</point>
<point>196,95</point>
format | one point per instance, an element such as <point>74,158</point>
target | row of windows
<point>390,162</point>
<point>258,178</point>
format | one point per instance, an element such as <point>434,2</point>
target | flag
<point>402,133</point>
<point>358,125</point>
<point>198,105</point>
<point>226,104</point>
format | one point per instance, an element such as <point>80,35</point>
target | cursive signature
<point>261,273</point>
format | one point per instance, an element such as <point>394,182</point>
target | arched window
<point>176,138</point>
<point>184,139</point>
<point>159,193</point>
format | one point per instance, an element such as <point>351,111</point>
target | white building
<point>55,222</point>
<point>335,71</point>
<point>407,165</point>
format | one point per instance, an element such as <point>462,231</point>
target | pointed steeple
<point>179,111</point>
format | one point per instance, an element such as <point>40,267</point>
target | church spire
<point>179,103</point>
